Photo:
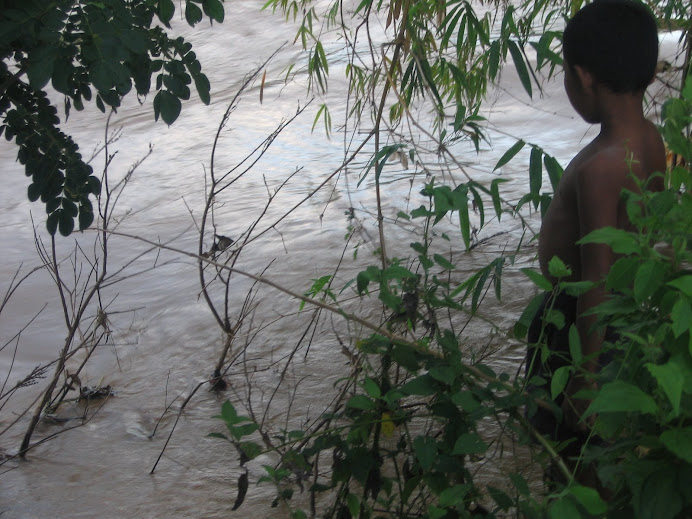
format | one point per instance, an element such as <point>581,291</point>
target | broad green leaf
<point>509,154</point>
<point>213,9</point>
<point>559,380</point>
<point>589,499</point>
<point>469,443</point>
<point>681,316</point>
<point>671,380</point>
<point>659,497</point>
<point>40,65</point>
<point>621,241</point>
<point>167,106</point>
<point>443,262</point>
<point>522,325</point>
<point>558,268</point>
<point>193,14</point>
<point>444,374</point>
<point>424,385</point>
<point>361,402</point>
<point>425,448</point>
<point>65,222</point>
<point>621,396</point>
<point>679,442</point>
<point>353,504</point>
<point>466,401</point>
<point>504,502</point>
<point>452,496</point>
<point>371,388</point>
<point>166,11</point>
<point>564,508</point>
<point>649,277</point>
<point>538,279</point>
<point>520,64</point>
<point>683,284</point>
<point>622,273</point>
<point>203,87</point>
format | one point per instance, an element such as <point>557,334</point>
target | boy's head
<point>616,41</point>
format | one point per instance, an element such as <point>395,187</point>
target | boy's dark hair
<point>615,40</point>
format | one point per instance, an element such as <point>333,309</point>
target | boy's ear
<point>586,79</point>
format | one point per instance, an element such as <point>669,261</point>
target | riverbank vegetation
<point>421,423</point>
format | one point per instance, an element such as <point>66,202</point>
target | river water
<point>163,340</point>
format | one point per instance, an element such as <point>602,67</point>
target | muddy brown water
<point>163,339</point>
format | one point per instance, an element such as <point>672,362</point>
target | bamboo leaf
<point>509,154</point>
<point>535,174</point>
<point>520,65</point>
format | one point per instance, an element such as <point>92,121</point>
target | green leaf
<point>621,241</point>
<point>466,401</point>
<point>424,385</point>
<point>425,448</point>
<point>559,380</point>
<point>494,59</point>
<point>461,204</point>
<point>353,504</point>
<point>659,497</point>
<point>65,222</point>
<point>683,284</point>
<point>166,11</point>
<point>167,105</point>
<point>558,269</point>
<point>619,396</point>
<point>538,279</point>
<point>622,274</point>
<point>509,154</point>
<point>371,388</point>
<point>575,344</point>
<point>469,443</point>
<point>229,414</point>
<point>522,325</point>
<point>649,277</point>
<point>452,496</point>
<point>679,442</point>
<point>520,64</point>
<point>40,65</point>
<point>535,173</point>
<point>504,502</point>
<point>495,193</point>
<point>554,170</point>
<point>193,14</point>
<point>681,315</point>
<point>203,87</point>
<point>251,449</point>
<point>361,402</point>
<point>564,508</point>
<point>589,499</point>
<point>671,379</point>
<point>214,10</point>
<point>443,262</point>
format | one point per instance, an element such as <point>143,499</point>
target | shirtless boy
<point>610,50</point>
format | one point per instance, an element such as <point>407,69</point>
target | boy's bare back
<point>588,196</point>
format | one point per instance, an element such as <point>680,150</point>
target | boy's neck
<point>621,114</point>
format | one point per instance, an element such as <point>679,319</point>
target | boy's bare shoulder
<point>603,171</point>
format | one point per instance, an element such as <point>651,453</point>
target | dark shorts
<point>557,340</point>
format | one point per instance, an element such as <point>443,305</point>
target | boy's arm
<point>598,187</point>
